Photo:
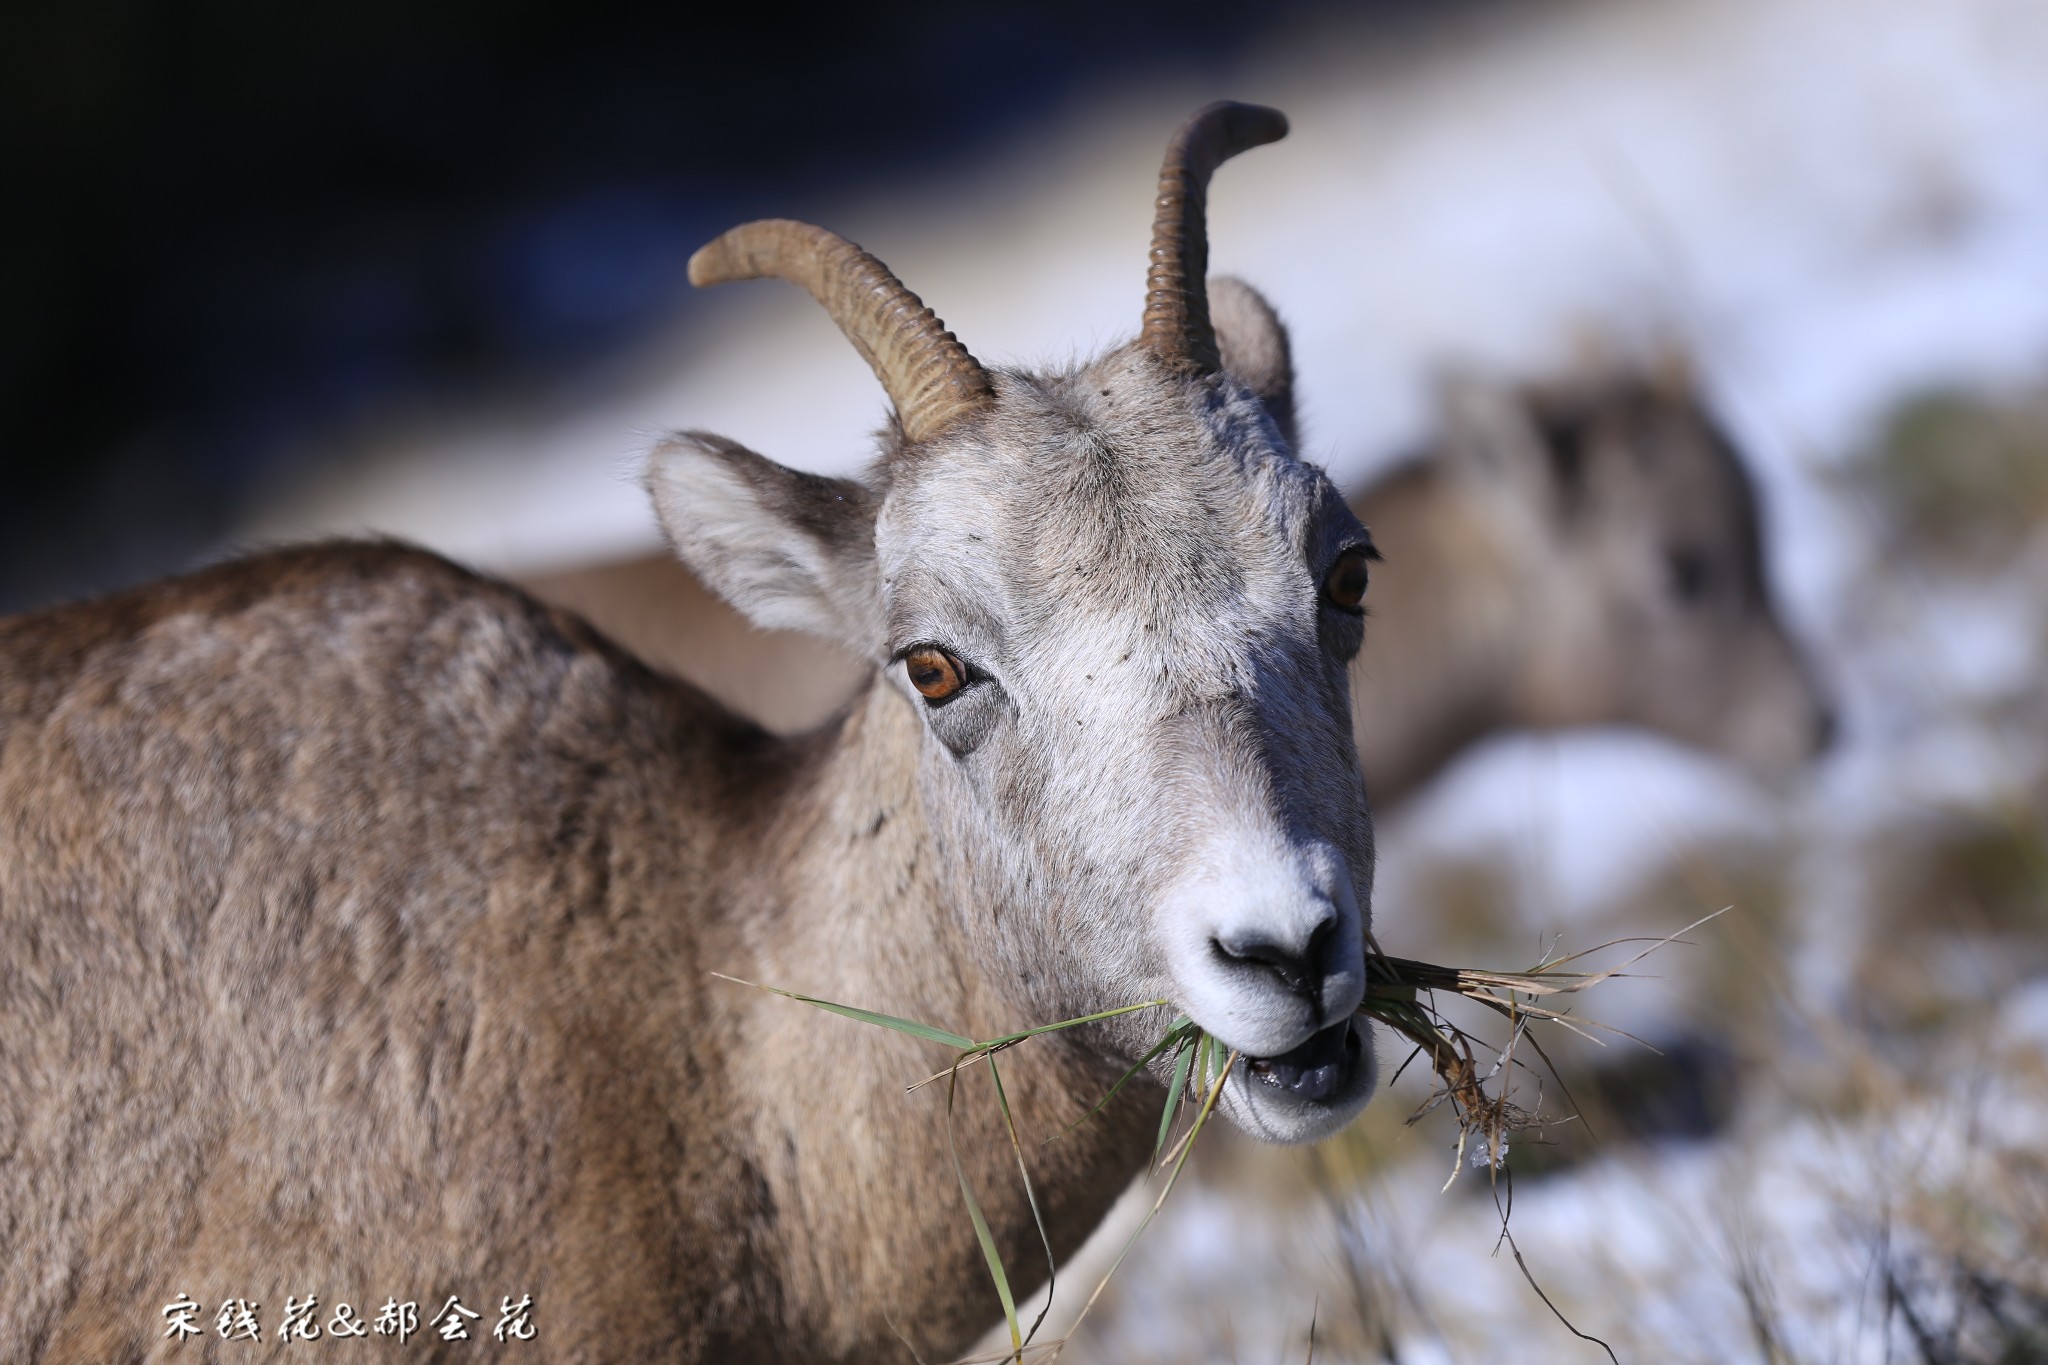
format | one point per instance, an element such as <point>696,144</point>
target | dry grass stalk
<point>1400,993</point>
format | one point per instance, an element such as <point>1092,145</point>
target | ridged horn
<point>927,373</point>
<point>1177,328</point>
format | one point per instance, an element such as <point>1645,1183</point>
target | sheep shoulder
<point>345,850</point>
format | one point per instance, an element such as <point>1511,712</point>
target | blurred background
<point>268,273</point>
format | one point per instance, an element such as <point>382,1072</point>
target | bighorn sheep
<point>1579,552</point>
<point>357,914</point>
<point>1585,552</point>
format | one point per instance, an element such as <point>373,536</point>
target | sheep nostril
<point>1827,729</point>
<point>1319,941</point>
<point>1300,972</point>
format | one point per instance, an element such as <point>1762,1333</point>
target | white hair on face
<point>1159,755</point>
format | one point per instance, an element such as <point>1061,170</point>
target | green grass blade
<point>1181,1064</point>
<point>1173,1036</point>
<point>1187,1150</point>
<point>1009,1038</point>
<point>980,1051</point>
<point>981,1232</point>
<point>1052,1272</point>
<point>929,1032</point>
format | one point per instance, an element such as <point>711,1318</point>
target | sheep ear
<point>788,550</point>
<point>1488,433</point>
<point>1253,343</point>
<point>1530,444</point>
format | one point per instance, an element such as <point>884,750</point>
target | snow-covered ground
<point>1657,1251</point>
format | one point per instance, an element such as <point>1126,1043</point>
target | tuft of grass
<point>1400,993</point>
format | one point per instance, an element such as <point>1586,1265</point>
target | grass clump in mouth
<point>1400,994</point>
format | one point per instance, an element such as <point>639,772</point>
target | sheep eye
<point>1690,575</point>
<point>1344,584</point>
<point>935,674</point>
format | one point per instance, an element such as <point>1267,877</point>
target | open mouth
<point>1318,1069</point>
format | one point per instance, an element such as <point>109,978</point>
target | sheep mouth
<point>1318,1070</point>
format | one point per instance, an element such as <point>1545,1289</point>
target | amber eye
<point>1344,585</point>
<point>936,674</point>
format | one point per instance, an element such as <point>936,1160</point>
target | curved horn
<point>927,373</point>
<point>1177,326</point>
